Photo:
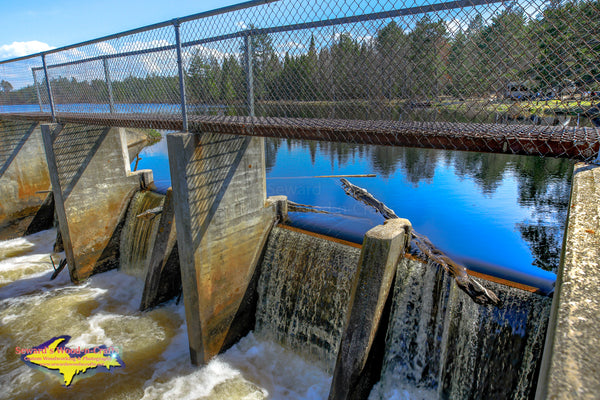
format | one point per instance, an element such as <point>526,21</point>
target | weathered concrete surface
<point>219,189</point>
<point>571,366</point>
<point>137,139</point>
<point>163,278</point>
<point>382,248</point>
<point>281,207</point>
<point>92,185</point>
<point>24,179</point>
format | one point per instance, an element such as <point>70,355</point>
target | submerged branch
<point>476,291</point>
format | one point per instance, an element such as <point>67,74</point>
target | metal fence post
<point>249,73</point>
<point>111,100</point>
<point>50,98</point>
<point>181,77</point>
<point>37,90</point>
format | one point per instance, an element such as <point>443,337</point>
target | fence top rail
<point>205,14</point>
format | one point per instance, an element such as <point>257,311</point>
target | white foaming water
<point>26,257</point>
<point>154,344</point>
<point>251,369</point>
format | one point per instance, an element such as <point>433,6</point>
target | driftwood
<point>304,208</point>
<point>151,213</point>
<point>478,293</point>
<point>61,266</point>
<point>327,176</point>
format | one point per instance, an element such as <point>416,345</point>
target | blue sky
<point>31,26</point>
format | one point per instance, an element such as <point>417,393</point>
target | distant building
<point>519,91</point>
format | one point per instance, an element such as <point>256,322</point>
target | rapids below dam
<point>439,343</point>
<point>154,344</point>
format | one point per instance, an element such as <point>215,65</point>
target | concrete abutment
<point>571,363</point>
<point>92,185</point>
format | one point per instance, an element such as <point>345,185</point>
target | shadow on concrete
<point>14,136</point>
<point>74,147</point>
<point>208,186</point>
<point>44,218</point>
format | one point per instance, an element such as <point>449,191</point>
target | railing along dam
<point>483,75</point>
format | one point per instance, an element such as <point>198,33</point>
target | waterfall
<point>138,234</point>
<point>304,290</point>
<point>440,344</point>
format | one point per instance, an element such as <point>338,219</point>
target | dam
<point>237,267</point>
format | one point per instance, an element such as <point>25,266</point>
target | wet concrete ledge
<point>571,364</point>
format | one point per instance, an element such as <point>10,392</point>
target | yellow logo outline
<point>53,355</point>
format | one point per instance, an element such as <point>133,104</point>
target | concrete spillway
<point>138,234</point>
<point>440,344</point>
<point>363,316</point>
<point>304,293</point>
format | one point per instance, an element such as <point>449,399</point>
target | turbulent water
<point>154,344</point>
<point>440,344</point>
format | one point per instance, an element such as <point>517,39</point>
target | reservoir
<point>497,214</point>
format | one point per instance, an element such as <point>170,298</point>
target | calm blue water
<point>497,214</point>
<point>119,108</point>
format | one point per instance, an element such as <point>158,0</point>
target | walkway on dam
<point>576,143</point>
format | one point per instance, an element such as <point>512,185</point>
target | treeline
<point>422,63</point>
<point>561,47</point>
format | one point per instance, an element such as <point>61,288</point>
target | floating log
<point>326,176</point>
<point>478,293</point>
<point>151,213</point>
<point>304,208</point>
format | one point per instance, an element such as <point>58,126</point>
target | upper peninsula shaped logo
<point>53,355</point>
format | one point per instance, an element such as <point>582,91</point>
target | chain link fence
<point>515,77</point>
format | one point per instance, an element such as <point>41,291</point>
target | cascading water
<point>304,289</point>
<point>105,311</point>
<point>138,234</point>
<point>440,344</point>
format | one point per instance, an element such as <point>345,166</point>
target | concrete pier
<point>24,179</point>
<point>163,278</point>
<point>92,185</point>
<point>571,363</point>
<point>382,248</point>
<point>219,192</point>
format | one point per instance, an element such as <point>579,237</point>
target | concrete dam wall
<point>381,323</point>
<point>24,179</point>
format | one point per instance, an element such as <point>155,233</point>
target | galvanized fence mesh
<point>520,77</point>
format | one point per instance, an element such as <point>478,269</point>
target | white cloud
<point>105,48</point>
<point>138,45</point>
<point>455,25</point>
<point>19,49</point>
<point>66,56</point>
<point>206,52</point>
